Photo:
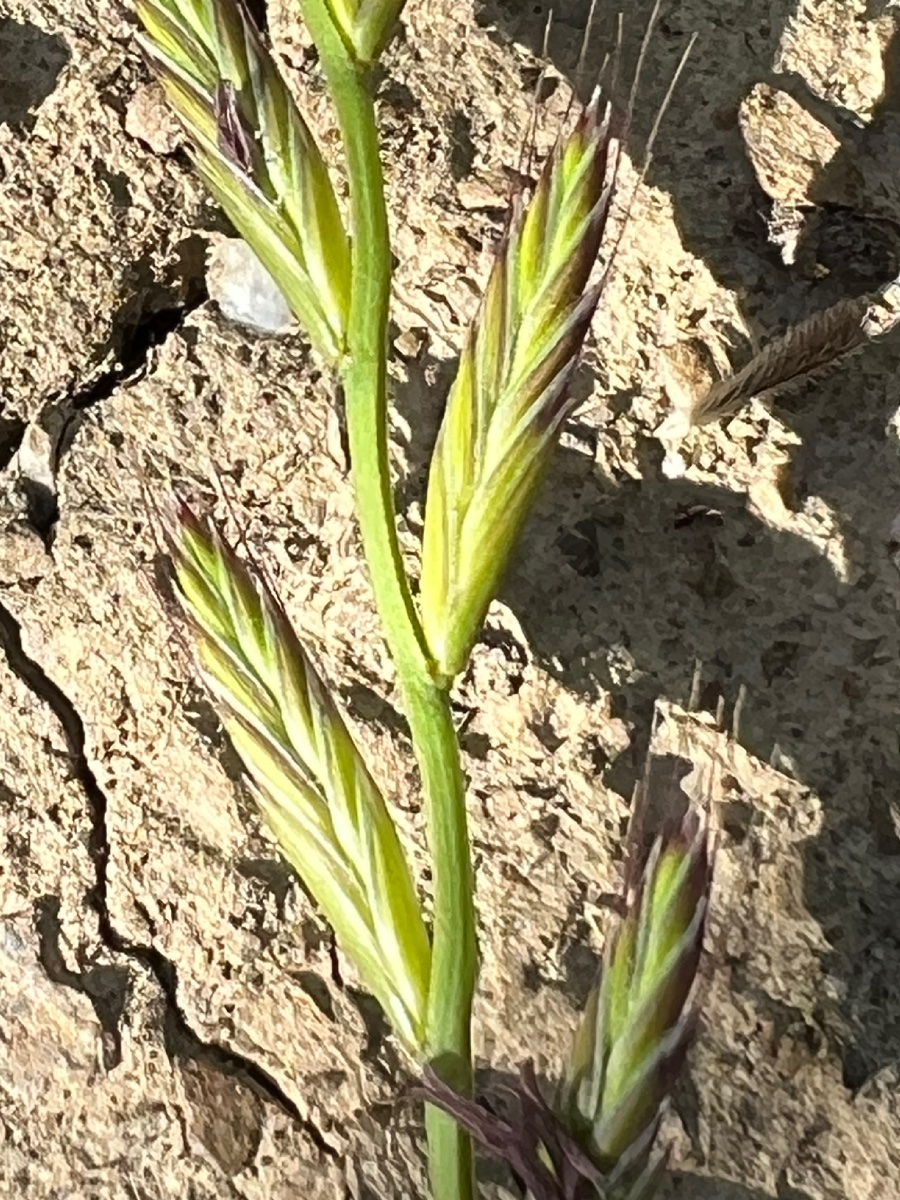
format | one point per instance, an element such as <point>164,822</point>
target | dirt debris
<point>175,1018</point>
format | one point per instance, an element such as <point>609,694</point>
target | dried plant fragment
<point>817,343</point>
<point>255,153</point>
<point>510,395</point>
<point>310,781</point>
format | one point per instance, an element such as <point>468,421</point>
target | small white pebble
<point>244,290</point>
<point>35,458</point>
<point>834,988</point>
<point>675,427</point>
<point>673,465</point>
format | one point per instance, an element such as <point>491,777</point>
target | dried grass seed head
<point>821,341</point>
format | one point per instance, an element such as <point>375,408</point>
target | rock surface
<point>174,1019</point>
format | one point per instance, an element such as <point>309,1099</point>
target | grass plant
<point>503,417</point>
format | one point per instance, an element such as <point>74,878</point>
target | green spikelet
<point>598,1141</point>
<point>310,781</point>
<point>255,153</point>
<point>510,395</point>
<point>638,1022</point>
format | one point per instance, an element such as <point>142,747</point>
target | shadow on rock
<point>626,582</point>
<point>30,63</point>
<point>621,589</point>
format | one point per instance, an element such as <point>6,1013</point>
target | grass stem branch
<point>364,380</point>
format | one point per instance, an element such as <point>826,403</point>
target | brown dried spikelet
<point>813,345</point>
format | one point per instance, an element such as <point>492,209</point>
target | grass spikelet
<point>822,340</point>
<point>638,1021</point>
<point>598,1139</point>
<point>311,783</point>
<point>255,153</point>
<point>510,395</point>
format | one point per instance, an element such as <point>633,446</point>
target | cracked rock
<point>175,1017</point>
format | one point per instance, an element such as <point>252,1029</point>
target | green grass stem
<point>427,706</point>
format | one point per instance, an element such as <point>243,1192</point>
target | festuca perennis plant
<point>503,416</point>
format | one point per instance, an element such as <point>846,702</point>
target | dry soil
<point>174,1018</point>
